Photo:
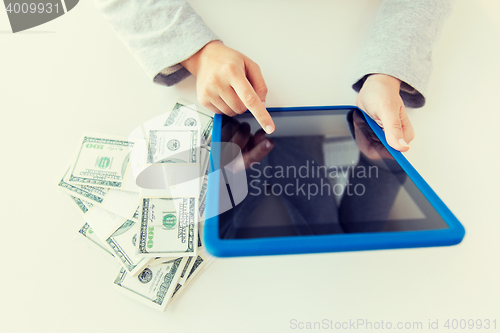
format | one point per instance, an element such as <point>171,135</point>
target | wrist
<point>385,79</point>
<point>192,64</point>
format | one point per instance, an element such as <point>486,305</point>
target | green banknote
<point>87,232</point>
<point>169,227</point>
<point>190,271</point>
<point>184,275</point>
<point>199,262</point>
<point>183,115</point>
<point>116,201</point>
<point>93,194</point>
<point>158,243</point>
<point>185,271</point>
<point>203,196</point>
<point>83,206</point>
<point>101,161</point>
<point>154,285</point>
<point>179,145</point>
<point>137,214</point>
<point>123,243</point>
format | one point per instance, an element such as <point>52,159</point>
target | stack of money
<point>143,198</point>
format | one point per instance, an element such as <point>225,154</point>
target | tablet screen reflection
<point>320,173</point>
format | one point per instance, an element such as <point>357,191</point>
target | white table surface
<point>73,75</point>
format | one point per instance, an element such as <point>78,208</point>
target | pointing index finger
<point>252,102</point>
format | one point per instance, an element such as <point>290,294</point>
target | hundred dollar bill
<point>101,161</point>
<point>179,145</point>
<point>82,205</point>
<point>123,244</point>
<point>137,214</point>
<point>87,232</point>
<point>196,266</point>
<point>203,196</point>
<point>202,260</point>
<point>183,115</point>
<point>161,260</point>
<point>185,271</point>
<point>116,201</point>
<point>169,227</point>
<point>103,222</point>
<point>173,163</point>
<point>94,194</point>
<point>200,236</point>
<point>204,159</point>
<point>154,285</point>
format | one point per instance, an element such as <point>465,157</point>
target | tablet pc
<point>330,182</point>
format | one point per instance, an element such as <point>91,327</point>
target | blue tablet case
<point>332,242</point>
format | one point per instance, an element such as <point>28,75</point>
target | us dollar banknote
<point>203,196</point>
<point>185,270</point>
<point>153,231</point>
<point>191,270</point>
<point>94,194</point>
<point>101,161</point>
<point>187,115</point>
<point>201,261</point>
<point>116,201</point>
<point>82,205</point>
<point>123,243</point>
<point>179,145</point>
<point>87,232</point>
<point>169,227</point>
<point>154,285</point>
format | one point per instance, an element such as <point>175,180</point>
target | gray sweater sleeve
<point>400,44</point>
<point>160,34</point>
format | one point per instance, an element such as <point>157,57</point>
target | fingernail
<point>269,129</point>
<point>268,144</point>
<point>264,102</point>
<point>403,143</point>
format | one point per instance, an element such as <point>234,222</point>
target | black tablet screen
<point>326,172</point>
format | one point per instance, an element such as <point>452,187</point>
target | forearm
<point>400,45</point>
<point>160,34</point>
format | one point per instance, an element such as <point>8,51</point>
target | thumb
<point>391,121</point>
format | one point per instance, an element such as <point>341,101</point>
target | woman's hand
<point>229,82</point>
<point>379,97</point>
